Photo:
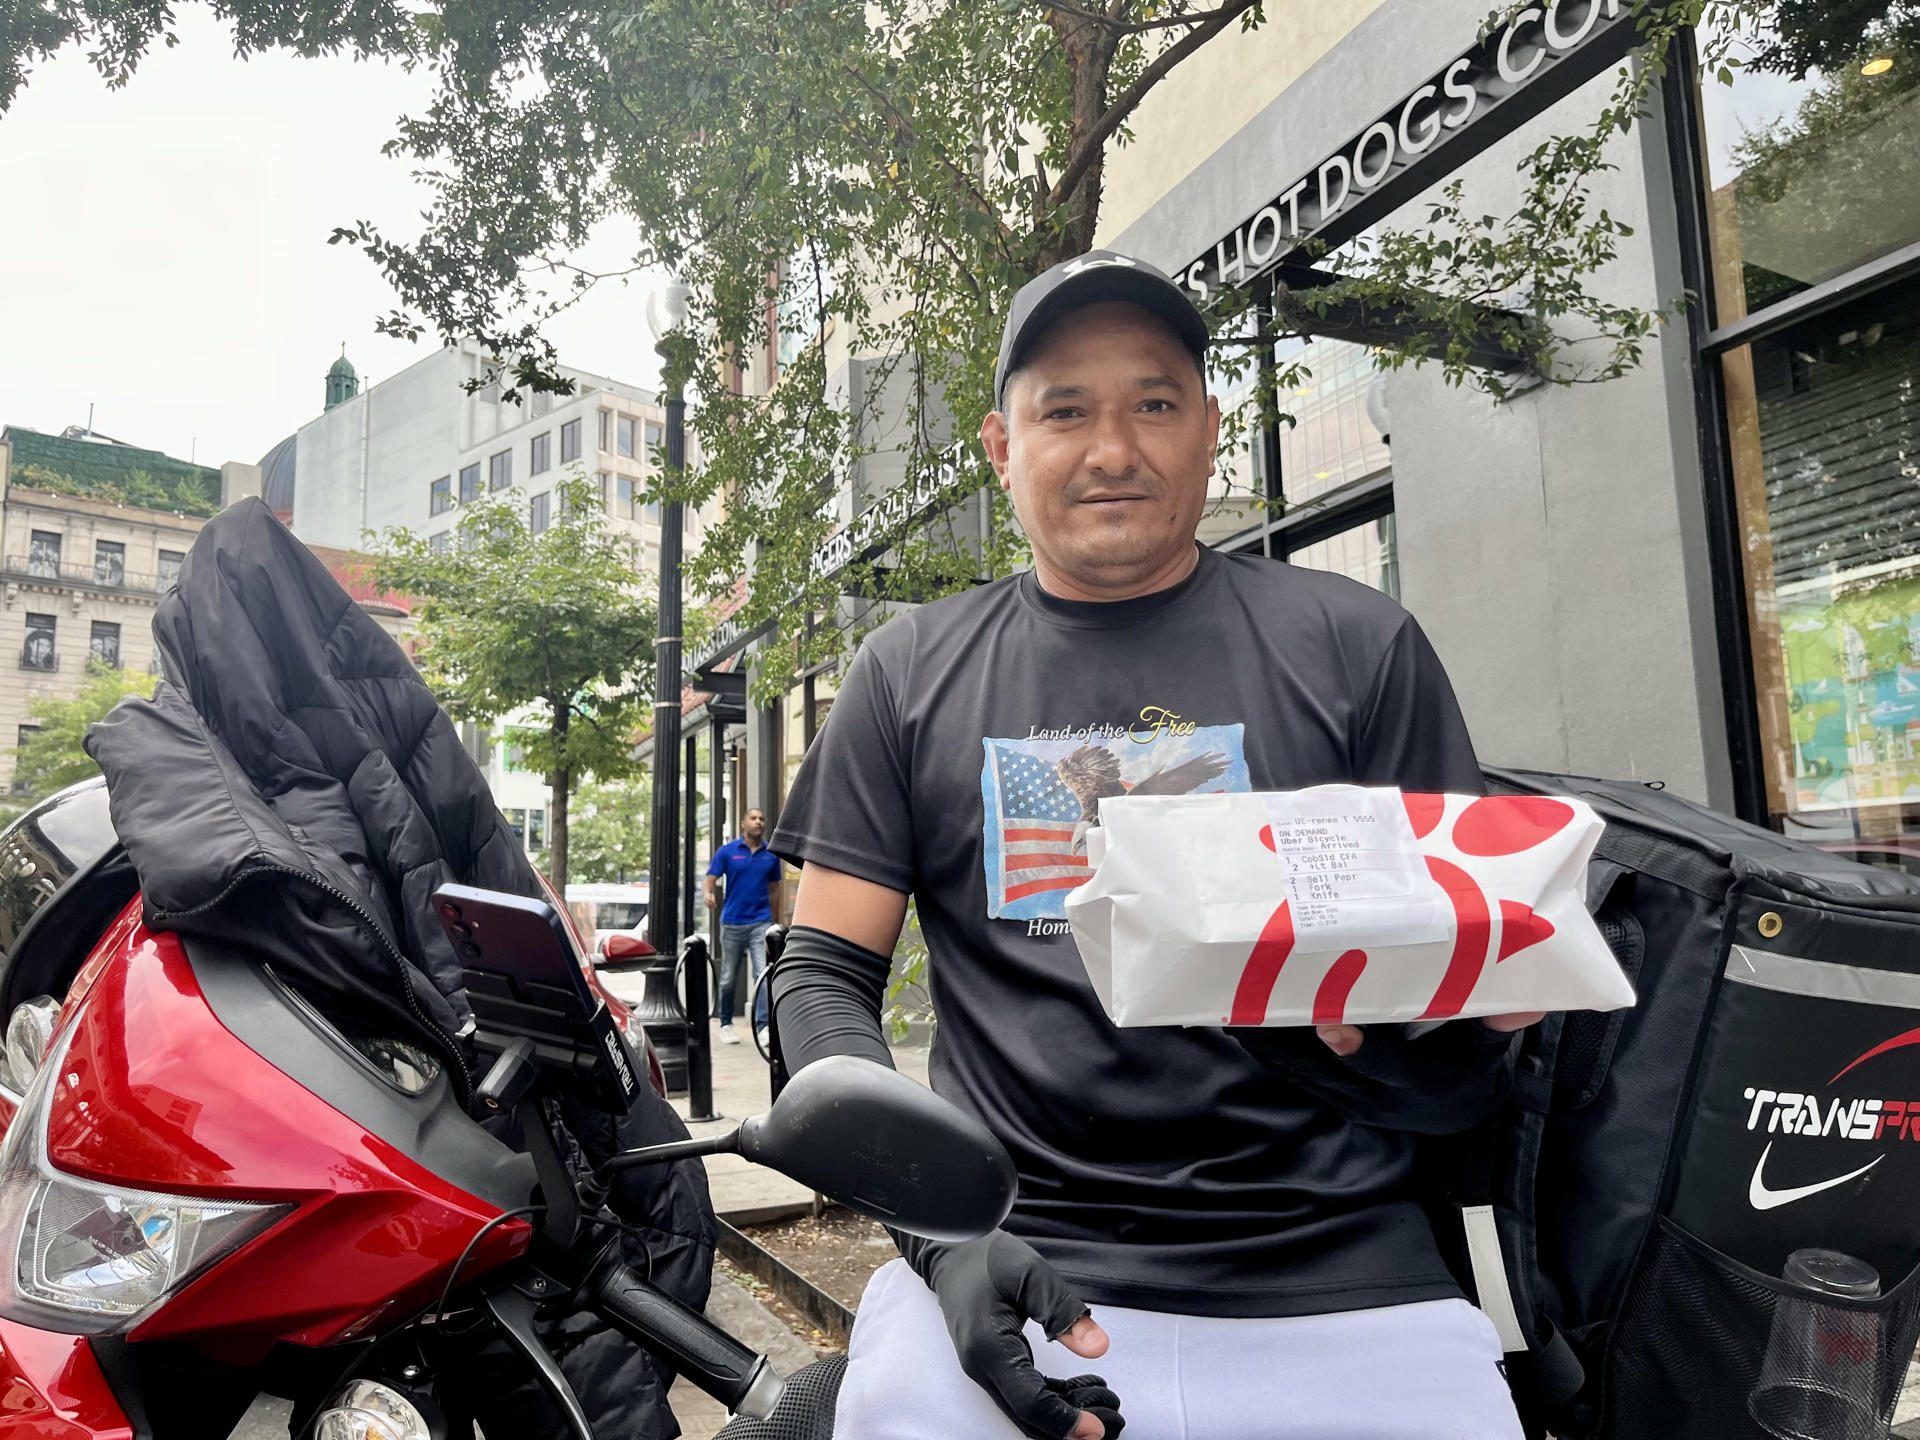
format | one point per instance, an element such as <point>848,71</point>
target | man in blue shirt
<point>752,875</point>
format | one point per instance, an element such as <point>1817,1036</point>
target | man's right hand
<point>988,1289</point>
<point>712,904</point>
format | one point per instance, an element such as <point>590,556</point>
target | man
<point>1239,1203</point>
<point>752,875</point>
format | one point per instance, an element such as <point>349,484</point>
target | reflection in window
<point>109,562</point>
<point>27,732</point>
<point>440,496</point>
<point>1813,156</point>
<point>38,653</point>
<point>469,483</point>
<point>656,444</point>
<point>624,507</point>
<point>540,512</point>
<point>540,453</point>
<point>1331,442</point>
<point>104,643</point>
<point>626,435</point>
<point>169,564</point>
<point>43,554</point>
<point>500,470</point>
<point>1367,553</point>
<point>569,441</point>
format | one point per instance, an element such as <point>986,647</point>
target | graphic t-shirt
<point>964,760</point>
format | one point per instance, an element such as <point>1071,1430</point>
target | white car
<point>616,910</point>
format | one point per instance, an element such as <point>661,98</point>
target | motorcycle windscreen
<point>1806,1128</point>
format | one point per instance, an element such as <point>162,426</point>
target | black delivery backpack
<point>1628,1219</point>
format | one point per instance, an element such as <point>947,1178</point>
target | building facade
<point>409,451</point>
<point>81,577</point>
<point>1704,574</point>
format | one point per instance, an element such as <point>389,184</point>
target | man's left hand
<point>1343,1040</point>
<point>1442,1082</point>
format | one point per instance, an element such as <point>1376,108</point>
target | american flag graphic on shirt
<point>1040,795</point>
<point>1035,818</point>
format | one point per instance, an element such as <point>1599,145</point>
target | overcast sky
<point>165,254</point>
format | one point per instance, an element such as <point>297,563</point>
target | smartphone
<point>524,978</point>
<point>518,940</point>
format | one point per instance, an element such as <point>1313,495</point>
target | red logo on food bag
<point>1491,826</point>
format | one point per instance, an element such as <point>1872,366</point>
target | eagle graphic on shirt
<point>1042,795</point>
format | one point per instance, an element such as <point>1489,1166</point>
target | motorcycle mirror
<point>886,1147</point>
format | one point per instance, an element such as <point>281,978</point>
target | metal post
<point>663,911</point>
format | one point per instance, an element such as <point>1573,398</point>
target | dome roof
<point>343,367</point>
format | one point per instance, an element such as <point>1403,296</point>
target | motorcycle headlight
<point>368,1410</point>
<point>92,1259</point>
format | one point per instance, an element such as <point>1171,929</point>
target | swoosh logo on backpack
<point>1761,1198</point>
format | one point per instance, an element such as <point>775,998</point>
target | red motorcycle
<point>210,1191</point>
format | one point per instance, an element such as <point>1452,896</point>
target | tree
<point>555,621</point>
<point>612,831</point>
<point>893,169</point>
<point>52,758</point>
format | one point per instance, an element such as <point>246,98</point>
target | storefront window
<point>1813,157</point>
<point>1825,429</point>
<point>1812,160</point>
<point>1366,553</point>
<point>1236,492</point>
<point>1332,442</point>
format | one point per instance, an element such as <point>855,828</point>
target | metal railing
<point>75,572</point>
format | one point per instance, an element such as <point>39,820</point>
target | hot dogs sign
<point>1341,904</point>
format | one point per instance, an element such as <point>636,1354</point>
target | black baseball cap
<point>1087,280</point>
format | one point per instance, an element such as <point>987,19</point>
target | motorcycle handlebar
<point>737,1377</point>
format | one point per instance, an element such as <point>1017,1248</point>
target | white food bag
<point>1340,904</point>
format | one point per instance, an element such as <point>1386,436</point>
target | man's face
<point>755,825</point>
<point>1105,444</point>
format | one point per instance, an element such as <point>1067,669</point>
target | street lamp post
<point>666,317</point>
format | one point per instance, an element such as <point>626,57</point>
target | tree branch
<point>1095,140</point>
<point>1112,21</point>
<point>962,182</point>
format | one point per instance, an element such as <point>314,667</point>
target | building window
<point>623,504</point>
<point>650,512</point>
<point>169,562</point>
<point>469,483</point>
<point>43,554</point>
<point>441,543</point>
<point>27,732</point>
<point>606,432</point>
<point>1819,356</point>
<point>39,653</point>
<point>440,496</point>
<point>656,452</point>
<point>540,512</point>
<point>569,441</point>
<point>540,453</point>
<point>104,643</point>
<point>109,562</point>
<point>500,470</point>
<point>626,435</point>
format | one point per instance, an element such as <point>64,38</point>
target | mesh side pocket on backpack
<point>1693,1343</point>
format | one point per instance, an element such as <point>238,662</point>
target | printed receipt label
<point>1354,872</point>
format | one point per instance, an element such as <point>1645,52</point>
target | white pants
<point>1426,1371</point>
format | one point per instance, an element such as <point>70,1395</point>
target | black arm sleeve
<point>827,994</point>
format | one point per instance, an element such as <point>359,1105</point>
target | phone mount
<point>534,1015</point>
